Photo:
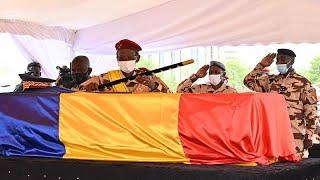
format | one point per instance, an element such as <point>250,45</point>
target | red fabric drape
<point>235,128</point>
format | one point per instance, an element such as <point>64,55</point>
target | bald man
<point>80,72</point>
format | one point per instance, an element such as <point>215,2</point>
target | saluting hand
<point>268,60</point>
<point>202,72</point>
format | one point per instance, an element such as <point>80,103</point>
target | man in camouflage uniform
<point>80,72</point>
<point>217,77</point>
<point>127,57</point>
<point>300,96</point>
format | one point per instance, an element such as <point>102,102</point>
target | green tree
<point>236,71</point>
<point>147,63</point>
<point>313,74</point>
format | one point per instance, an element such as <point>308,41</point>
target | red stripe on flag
<point>235,128</point>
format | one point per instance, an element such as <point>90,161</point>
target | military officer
<point>127,57</point>
<point>298,92</point>
<point>217,83</point>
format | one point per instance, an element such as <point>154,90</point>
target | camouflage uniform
<point>132,85</point>
<point>301,100</point>
<point>186,87</point>
<point>69,85</point>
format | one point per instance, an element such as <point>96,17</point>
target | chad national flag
<point>180,128</point>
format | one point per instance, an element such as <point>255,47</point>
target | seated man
<point>127,57</point>
<point>217,83</point>
<point>300,95</point>
<point>34,70</point>
<point>80,72</point>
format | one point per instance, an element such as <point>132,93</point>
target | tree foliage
<point>236,71</point>
<point>313,74</point>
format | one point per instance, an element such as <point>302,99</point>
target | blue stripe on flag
<point>29,125</point>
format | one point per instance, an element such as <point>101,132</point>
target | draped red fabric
<point>235,128</point>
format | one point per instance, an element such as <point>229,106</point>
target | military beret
<point>127,44</point>
<point>287,52</point>
<point>218,64</point>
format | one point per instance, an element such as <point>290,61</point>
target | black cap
<point>218,64</point>
<point>32,64</point>
<point>287,52</point>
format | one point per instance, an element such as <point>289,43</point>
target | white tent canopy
<point>72,14</point>
<point>95,26</point>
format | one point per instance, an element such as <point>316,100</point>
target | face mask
<point>127,66</point>
<point>282,68</point>
<point>79,77</point>
<point>215,79</point>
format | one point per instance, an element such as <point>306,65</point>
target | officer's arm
<point>93,83</point>
<point>310,109</point>
<point>255,82</point>
<point>185,86</point>
<point>160,85</point>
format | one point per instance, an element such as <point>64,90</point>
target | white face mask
<point>282,68</point>
<point>127,66</point>
<point>215,79</point>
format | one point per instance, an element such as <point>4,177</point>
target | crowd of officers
<point>298,91</point>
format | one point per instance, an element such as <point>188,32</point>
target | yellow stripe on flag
<point>115,127</point>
